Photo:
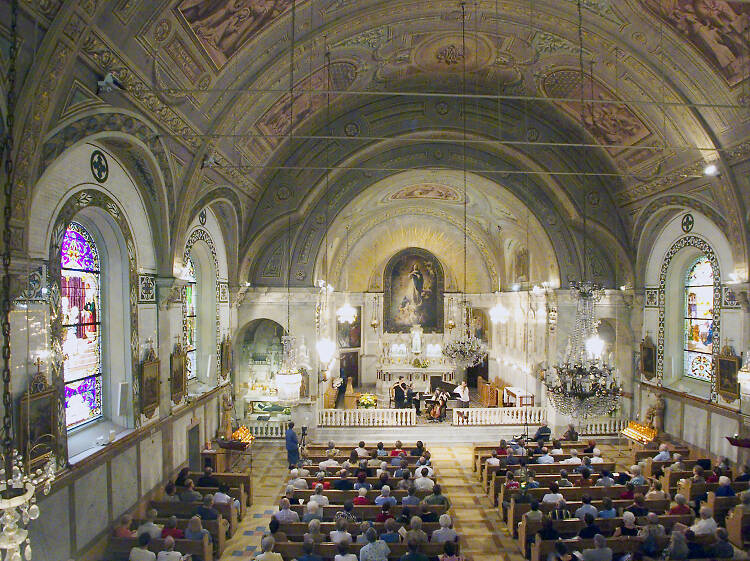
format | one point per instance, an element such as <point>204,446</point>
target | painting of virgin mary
<point>413,292</point>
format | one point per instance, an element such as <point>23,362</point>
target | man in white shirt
<point>424,483</point>
<point>597,457</point>
<point>420,465</point>
<point>706,524</point>
<point>545,458</point>
<point>600,551</point>
<point>463,395</point>
<point>663,454</point>
<point>223,497</point>
<point>296,481</point>
<point>329,462</point>
<point>141,552</point>
<point>494,460</point>
<point>574,459</point>
<point>361,450</point>
<point>168,553</point>
<point>148,526</point>
<point>286,514</point>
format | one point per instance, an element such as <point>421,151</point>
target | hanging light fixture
<point>346,313</point>
<point>466,350</point>
<point>18,481</point>
<point>584,384</point>
<point>499,313</point>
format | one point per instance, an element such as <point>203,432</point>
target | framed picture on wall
<point>226,357</point>
<point>648,358</point>
<point>349,335</point>
<point>177,374</point>
<point>727,366</point>
<point>150,384</point>
<point>38,430</point>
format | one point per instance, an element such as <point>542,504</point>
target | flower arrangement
<point>367,401</point>
<point>420,363</point>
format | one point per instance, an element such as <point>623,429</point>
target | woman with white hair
<point>597,457</point>
<point>415,531</point>
<point>628,527</point>
<point>313,512</point>
<point>445,533</point>
<point>725,487</point>
<point>313,532</point>
<point>296,481</point>
<point>340,534</point>
<point>267,552</point>
<point>705,524</point>
<point>636,477</point>
<point>385,497</point>
<point>319,497</point>
<point>382,469</point>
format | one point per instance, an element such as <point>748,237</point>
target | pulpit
<point>350,396</point>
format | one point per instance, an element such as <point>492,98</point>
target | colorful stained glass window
<point>80,287</point>
<point>699,319</point>
<point>190,321</point>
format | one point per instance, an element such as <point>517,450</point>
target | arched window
<point>698,316</point>
<point>190,324</point>
<point>81,316</point>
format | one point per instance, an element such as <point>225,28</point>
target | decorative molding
<point>651,299</point>
<point>146,289</point>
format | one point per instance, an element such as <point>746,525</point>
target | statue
<point>304,382</point>
<point>416,339</point>
<point>227,406</point>
<point>654,417</point>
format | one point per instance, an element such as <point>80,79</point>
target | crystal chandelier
<point>18,481</point>
<point>584,385</point>
<point>346,313</point>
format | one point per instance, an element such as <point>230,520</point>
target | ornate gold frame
<point>725,372</point>
<point>150,379</point>
<point>648,358</point>
<point>177,373</point>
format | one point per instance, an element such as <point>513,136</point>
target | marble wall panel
<point>151,462</point>
<point>672,417</point>
<point>91,510</point>
<point>695,425</point>
<point>50,538</point>
<point>722,427</point>
<point>124,481</point>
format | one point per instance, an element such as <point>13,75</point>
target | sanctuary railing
<point>267,429</point>
<point>602,426</point>
<point>367,417</point>
<point>477,416</point>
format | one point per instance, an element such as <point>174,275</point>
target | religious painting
<point>349,335</point>
<point>177,376</point>
<point>150,384</point>
<point>729,298</point>
<point>648,358</point>
<point>413,292</point>
<point>433,191</point>
<point>479,324</point>
<point>226,357</point>
<point>727,383</point>
<point>717,29</point>
<point>38,420</point>
<point>221,28</point>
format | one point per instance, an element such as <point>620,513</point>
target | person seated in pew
<point>390,531</point>
<point>545,458</point>
<point>168,553</point>
<point>638,508</point>
<point>385,513</point>
<point>361,451</point>
<point>564,481</point>
<point>600,551</point>
<point>543,433</point>
<point>398,449</point>
<point>663,454</point>
<point>171,530</point>
<point>627,527</point>
<point>347,515</point>
<point>522,471</point>
<point>556,449</point>
<point>380,450</point>
<point>206,510</point>
<point>586,508</point>
<point>314,512</point>
<point>560,553</point>
<point>140,552</point>
<point>361,498</point>
<point>744,474</point>
<point>517,447</point>
<point>402,469</point>
<point>289,493</point>
<point>574,459</point>
<point>222,497</point>
<point>321,480</point>
<point>570,434</point>
<point>597,456</point>
<point>419,449</point>
<point>656,492</point>
<point>352,461</point>
<point>363,527</point>
<point>170,493</point>
<point>745,502</point>
<point>331,449</point>
<point>511,459</point>
<point>405,482</point>
<point>725,464</point>
<point>413,553</point>
<point>303,469</point>
<point>589,448</point>
<point>629,491</point>
<point>190,495</point>
<point>340,533</point>
<point>537,449</point>
<point>195,530</point>
<point>696,549</point>
<point>636,476</point>
<point>384,480</point>
<point>531,482</point>
<point>427,514</point>
<point>266,550</point>
<point>652,527</point>
<point>423,482</point>
<point>382,470</point>
<point>725,487</point>
<point>208,479</point>
<point>585,464</point>
<point>313,533</point>
<point>560,511</point>
<point>608,509</point>
<point>149,527</point>
<point>445,533</point>
<point>677,465</point>
<point>122,528</point>
<point>698,475</point>
<point>385,497</point>
<point>554,494</point>
<point>585,480</point>
<point>722,549</point>
<point>502,449</point>
<point>705,523</point>
<point>605,480</point>
<point>275,532</point>
<point>374,462</point>
<point>677,547</point>
<point>343,483</point>
<point>548,531</point>
<point>296,481</point>
<point>493,460</point>
<point>590,529</point>
<point>436,498</point>
<point>182,476</point>
<point>285,514</point>
<point>319,497</point>
<point>330,461</point>
<point>450,550</point>
<point>396,460</point>
<point>415,531</point>
<point>308,548</point>
<point>681,507</point>
<point>534,514</point>
<point>374,549</point>
<point>425,461</point>
<point>510,481</point>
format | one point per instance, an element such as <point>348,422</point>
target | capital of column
<point>169,291</point>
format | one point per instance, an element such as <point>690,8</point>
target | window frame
<point>687,352</point>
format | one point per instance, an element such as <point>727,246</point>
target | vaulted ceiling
<point>667,83</point>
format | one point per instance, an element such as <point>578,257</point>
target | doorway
<point>474,372</point>
<point>194,448</point>
<point>350,367</point>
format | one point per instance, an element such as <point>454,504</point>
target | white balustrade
<point>267,429</point>
<point>477,416</point>
<point>602,426</point>
<point>367,417</point>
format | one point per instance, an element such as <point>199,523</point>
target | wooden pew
<point>738,527</point>
<point>363,512</point>
<point>558,458</point>
<point>694,490</point>
<point>118,549</point>
<point>237,493</point>
<point>720,506</point>
<point>651,468</point>
<point>570,528</point>
<point>185,510</point>
<point>639,455</point>
<point>233,479</point>
<point>486,449</point>
<point>293,550</point>
<point>340,497</point>
<point>516,511</point>
<point>296,530</point>
<point>215,528</point>
<point>317,458</point>
<point>312,481</point>
<point>571,494</point>
<point>671,477</point>
<point>541,548</point>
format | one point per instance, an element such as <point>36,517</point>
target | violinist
<point>412,398</point>
<point>399,392</point>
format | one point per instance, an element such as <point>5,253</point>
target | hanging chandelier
<point>19,482</point>
<point>466,350</point>
<point>346,313</point>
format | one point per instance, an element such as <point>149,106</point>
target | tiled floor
<point>483,535</point>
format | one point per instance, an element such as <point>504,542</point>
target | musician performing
<point>435,409</point>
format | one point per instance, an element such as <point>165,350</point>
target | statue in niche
<point>227,407</point>
<point>416,339</point>
<point>654,417</point>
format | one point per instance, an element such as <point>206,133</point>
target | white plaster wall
<point>50,533</point>
<point>179,439</point>
<point>722,427</point>
<point>125,491</point>
<point>672,419</point>
<point>91,505</point>
<point>151,462</point>
<point>696,425</point>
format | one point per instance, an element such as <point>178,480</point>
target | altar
<point>419,378</point>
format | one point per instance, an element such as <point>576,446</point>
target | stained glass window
<point>80,289</point>
<point>190,322</point>
<point>699,320</point>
